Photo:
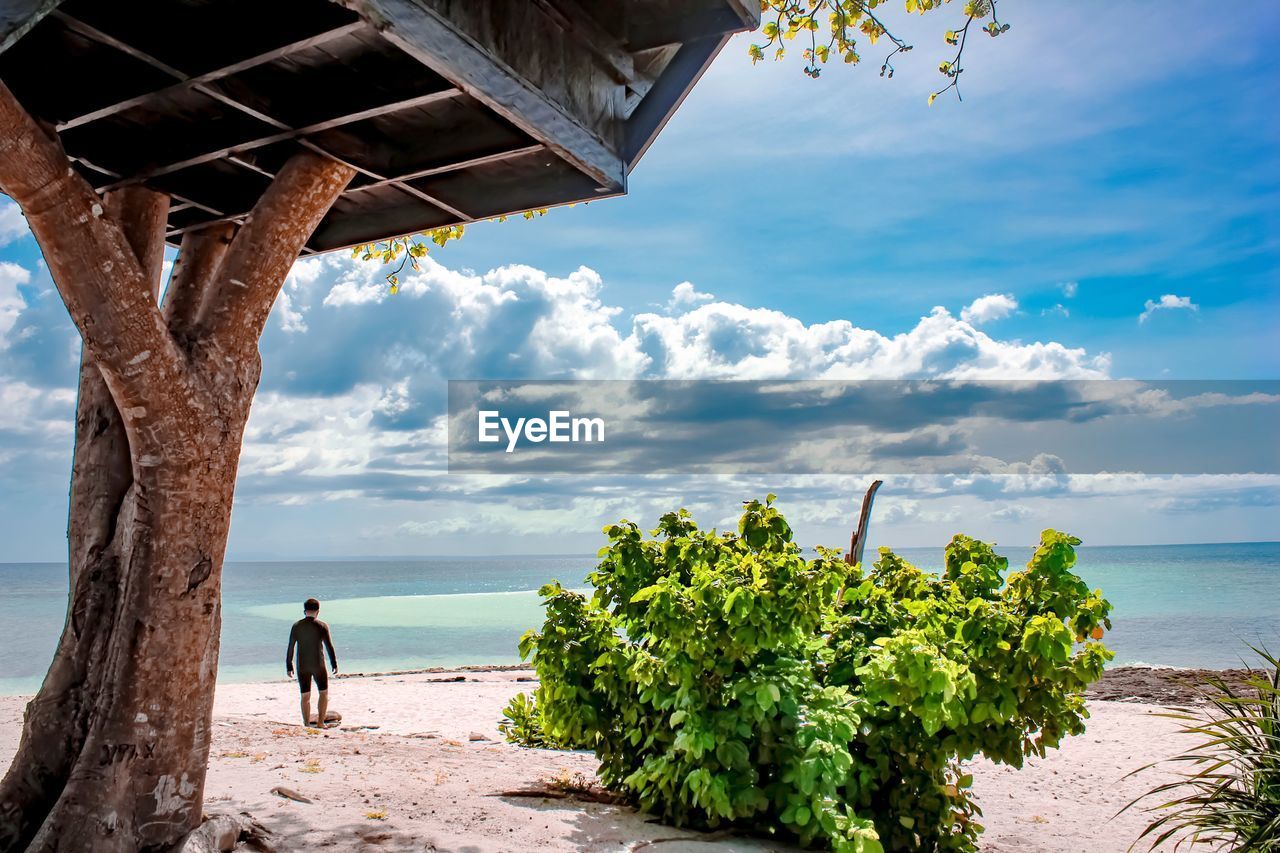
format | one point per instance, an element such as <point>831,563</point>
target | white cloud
<point>1012,512</point>
<point>11,301</point>
<point>1168,302</point>
<point>514,320</point>
<point>333,436</point>
<point>293,302</point>
<point>1059,309</point>
<point>993,306</point>
<point>346,414</point>
<point>25,408</point>
<point>1070,289</point>
<point>683,295</point>
<point>13,225</point>
<point>726,340</point>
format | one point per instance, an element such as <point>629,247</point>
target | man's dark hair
<point>309,605</point>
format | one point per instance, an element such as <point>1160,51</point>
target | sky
<point>1102,204</point>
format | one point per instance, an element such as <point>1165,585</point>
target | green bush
<point>724,678</point>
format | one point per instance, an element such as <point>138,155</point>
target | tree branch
<point>93,266</point>
<point>142,215</point>
<point>194,272</point>
<point>234,313</point>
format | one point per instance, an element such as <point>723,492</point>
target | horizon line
<point>382,558</point>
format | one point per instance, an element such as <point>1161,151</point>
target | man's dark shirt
<point>307,635</point>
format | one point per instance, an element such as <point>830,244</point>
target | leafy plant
<point>522,724</point>
<point>1231,794</point>
<point>725,678</point>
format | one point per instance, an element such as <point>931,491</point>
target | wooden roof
<point>450,110</point>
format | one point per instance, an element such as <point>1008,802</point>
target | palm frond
<point>1229,792</point>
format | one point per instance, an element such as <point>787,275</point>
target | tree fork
<point>115,746</point>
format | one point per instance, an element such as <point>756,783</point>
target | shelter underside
<point>449,110</point>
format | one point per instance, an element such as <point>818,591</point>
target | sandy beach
<point>418,764</point>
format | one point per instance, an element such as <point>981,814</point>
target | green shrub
<point>1229,797</point>
<point>724,678</point>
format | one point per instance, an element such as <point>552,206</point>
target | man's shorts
<point>304,680</point>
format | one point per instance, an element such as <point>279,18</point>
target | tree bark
<point>115,745</point>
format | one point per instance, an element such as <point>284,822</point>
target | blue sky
<point>1104,203</point>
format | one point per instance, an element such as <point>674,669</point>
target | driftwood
<point>593,794</point>
<point>222,832</point>
<point>859,539</point>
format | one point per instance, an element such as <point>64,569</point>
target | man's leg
<point>304,684</point>
<point>322,685</point>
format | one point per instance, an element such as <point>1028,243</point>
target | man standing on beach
<point>308,634</point>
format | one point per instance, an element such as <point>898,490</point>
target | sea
<point>1187,606</point>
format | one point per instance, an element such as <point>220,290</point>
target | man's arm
<point>328,644</point>
<point>288,653</point>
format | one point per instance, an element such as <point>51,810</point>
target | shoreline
<point>1148,685</point>
<point>418,764</point>
<point>1152,685</point>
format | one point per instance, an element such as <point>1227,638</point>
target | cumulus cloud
<point>727,340</point>
<point>683,295</point>
<point>1168,302</point>
<point>11,301</point>
<point>13,225</point>
<point>351,412</point>
<point>354,394</point>
<point>985,309</point>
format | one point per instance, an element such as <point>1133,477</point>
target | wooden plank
<point>451,167</point>
<point>575,20</point>
<point>669,22</point>
<point>378,183</point>
<point>667,93</point>
<point>439,44</point>
<point>216,74</point>
<point>283,135</point>
<point>17,17</point>
<point>430,199</point>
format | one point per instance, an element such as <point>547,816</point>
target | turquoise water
<point>1175,605</point>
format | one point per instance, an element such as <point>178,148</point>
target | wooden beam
<point>209,77</point>
<point>667,93</point>
<point>17,17</point>
<point>573,19</point>
<point>693,21</point>
<point>451,167</point>
<point>399,181</point>
<point>432,200</point>
<point>438,43</point>
<point>748,11</point>
<point>287,134</point>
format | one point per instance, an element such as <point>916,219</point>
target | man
<point>308,634</point>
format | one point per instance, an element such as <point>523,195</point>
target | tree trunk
<point>115,745</point>
<point>139,653</point>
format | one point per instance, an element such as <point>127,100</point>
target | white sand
<point>440,790</point>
